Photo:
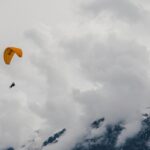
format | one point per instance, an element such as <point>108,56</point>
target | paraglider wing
<point>9,53</point>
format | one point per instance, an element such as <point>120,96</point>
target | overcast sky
<point>82,60</point>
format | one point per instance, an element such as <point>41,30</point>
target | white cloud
<point>131,130</point>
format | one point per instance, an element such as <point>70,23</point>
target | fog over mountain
<point>83,61</point>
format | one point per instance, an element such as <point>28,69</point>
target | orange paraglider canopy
<point>9,53</point>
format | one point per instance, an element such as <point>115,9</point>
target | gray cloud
<point>119,69</point>
<point>125,9</point>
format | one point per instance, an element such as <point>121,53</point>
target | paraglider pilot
<point>12,85</point>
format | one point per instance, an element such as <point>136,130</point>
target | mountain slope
<point>108,140</point>
<point>104,141</point>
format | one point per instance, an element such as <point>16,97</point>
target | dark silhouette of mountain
<point>97,123</point>
<point>54,138</point>
<point>107,141</point>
